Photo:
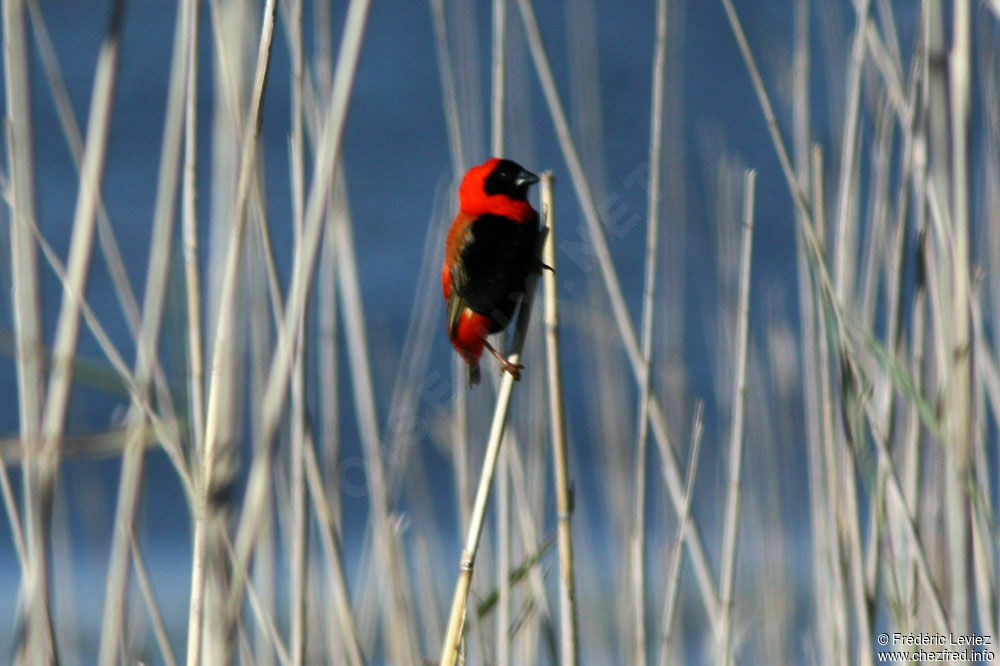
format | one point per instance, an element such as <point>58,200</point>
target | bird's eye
<point>504,174</point>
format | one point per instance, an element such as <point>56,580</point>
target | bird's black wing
<point>495,261</point>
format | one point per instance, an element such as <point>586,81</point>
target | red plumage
<point>488,254</point>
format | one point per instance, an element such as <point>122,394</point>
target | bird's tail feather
<point>474,373</point>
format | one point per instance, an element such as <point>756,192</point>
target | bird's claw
<point>505,366</point>
<point>513,368</point>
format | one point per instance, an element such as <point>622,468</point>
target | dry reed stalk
<point>503,545</point>
<point>988,382</point>
<point>727,574</point>
<point>297,547</point>
<point>841,330</point>
<point>649,292</point>
<point>330,541</point>
<point>677,550</point>
<point>129,489</point>
<point>947,263</point>
<point>159,628</point>
<point>67,327</point>
<point>809,309</point>
<point>706,584</point>
<point>448,87</point>
<point>304,262</point>
<point>165,431</point>
<point>264,547</point>
<point>456,145</point>
<point>13,517</point>
<point>804,213</point>
<point>959,418</point>
<point>568,640</point>
<point>411,381</point>
<point>845,240</point>
<point>71,130</point>
<point>65,622</point>
<point>234,29</point>
<point>907,522</point>
<point>135,437</point>
<point>903,518</point>
<point>503,568</point>
<point>844,266</point>
<point>264,575</point>
<point>852,549</point>
<point>396,605</point>
<point>328,372</point>
<point>911,439</point>
<point>299,529</point>
<point>205,478</point>
<point>499,67</point>
<point>25,292</point>
<point>430,611</point>
<point>872,264</point>
<point>407,480</point>
<point>527,506</point>
<point>894,293</point>
<point>264,617</point>
<point>39,647</point>
<point>326,297</point>
<point>837,595</point>
<point>189,240</point>
<point>456,618</point>
<point>460,440</point>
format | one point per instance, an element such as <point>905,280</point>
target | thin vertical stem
<point>204,477</point>
<point>456,618</point>
<point>646,343</point>
<point>159,628</point>
<point>845,265</point>
<point>732,516</point>
<point>327,301</point>
<point>838,599</point>
<point>189,239</point>
<point>395,601</point>
<point>330,541</point>
<point>129,490</point>
<point>674,572</point>
<point>459,421</point>
<point>498,101</point>
<point>68,323</point>
<point>960,416</point>
<point>503,482</point>
<point>298,532</point>
<point>706,583</point>
<point>27,319</point>
<point>568,640</point>
<point>279,374</point>
<point>67,327</point>
<point>844,243</point>
<point>448,88</point>
<point>74,139</point>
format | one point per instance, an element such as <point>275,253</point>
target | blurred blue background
<point>398,169</point>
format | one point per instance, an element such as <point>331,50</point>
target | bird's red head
<point>497,187</point>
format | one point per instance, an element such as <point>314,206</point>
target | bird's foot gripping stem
<point>505,365</point>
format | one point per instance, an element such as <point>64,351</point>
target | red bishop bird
<point>489,252</point>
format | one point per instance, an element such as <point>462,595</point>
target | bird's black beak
<point>524,179</point>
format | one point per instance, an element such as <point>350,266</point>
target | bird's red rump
<point>470,335</point>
